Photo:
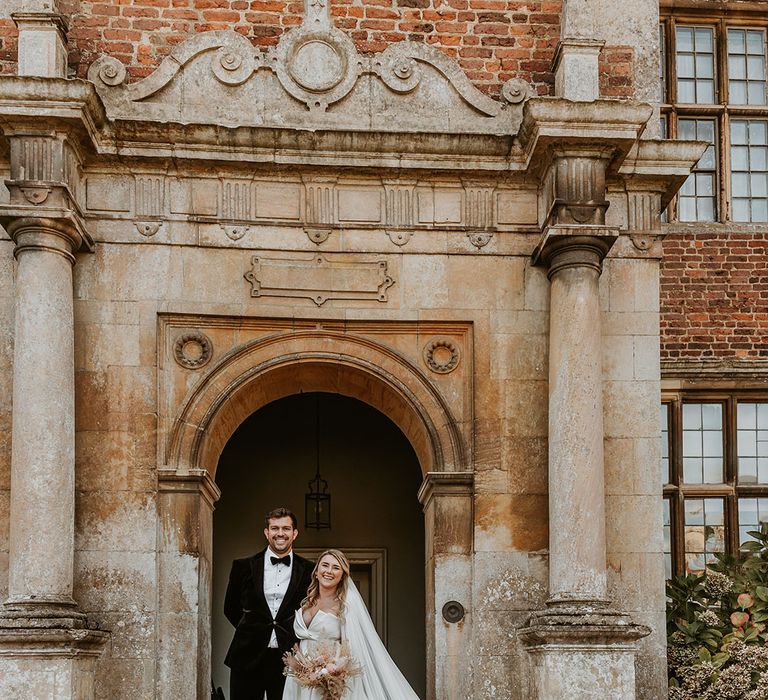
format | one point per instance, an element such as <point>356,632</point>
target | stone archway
<point>373,477</point>
<point>243,380</point>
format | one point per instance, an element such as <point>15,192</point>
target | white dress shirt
<point>276,580</point>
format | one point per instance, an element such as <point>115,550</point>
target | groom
<point>263,593</point>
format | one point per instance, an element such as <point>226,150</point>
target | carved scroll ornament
<point>317,64</point>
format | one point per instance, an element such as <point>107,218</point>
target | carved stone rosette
<point>193,350</point>
<point>441,355</point>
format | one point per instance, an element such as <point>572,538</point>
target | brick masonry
<point>615,68</point>
<point>493,40</point>
<point>8,47</point>
<point>714,296</point>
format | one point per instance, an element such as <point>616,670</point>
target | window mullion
<point>731,477</point>
<point>721,47</point>
<point>672,61</point>
<point>724,160</point>
<point>677,518</point>
<point>725,168</point>
<point>677,509</point>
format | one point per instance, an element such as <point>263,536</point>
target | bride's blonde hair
<point>313,592</point>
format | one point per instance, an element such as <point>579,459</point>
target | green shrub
<point>717,627</point>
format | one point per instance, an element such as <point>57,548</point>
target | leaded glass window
<point>697,199</point>
<point>749,169</point>
<point>746,66</point>
<point>704,532</point>
<point>714,75</point>
<point>695,65</point>
<point>714,457</point>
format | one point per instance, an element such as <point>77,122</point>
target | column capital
<point>196,482</point>
<point>56,231</point>
<point>43,211</point>
<point>445,484</point>
<point>561,248</point>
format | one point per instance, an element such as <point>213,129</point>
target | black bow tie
<point>281,560</point>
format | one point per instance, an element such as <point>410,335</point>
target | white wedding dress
<point>379,679</point>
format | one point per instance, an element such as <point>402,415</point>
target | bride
<point>333,612</point>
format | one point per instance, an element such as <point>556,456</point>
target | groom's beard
<point>280,546</point>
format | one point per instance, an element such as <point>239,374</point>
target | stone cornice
<point>32,100</point>
<point>74,105</point>
<point>562,123</point>
<point>662,165</point>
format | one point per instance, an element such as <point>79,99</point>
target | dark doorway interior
<point>373,477</point>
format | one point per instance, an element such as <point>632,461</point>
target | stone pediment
<point>314,79</point>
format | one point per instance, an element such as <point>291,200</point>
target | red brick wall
<point>714,296</point>
<point>493,40</point>
<point>616,75</point>
<point>8,47</point>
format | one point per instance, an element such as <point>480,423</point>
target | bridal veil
<point>381,678</point>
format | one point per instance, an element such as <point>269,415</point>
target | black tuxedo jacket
<point>246,608</point>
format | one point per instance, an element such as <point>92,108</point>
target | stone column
<point>447,501</point>
<point>579,647</point>
<point>576,500</point>
<point>43,451</point>
<point>45,646</point>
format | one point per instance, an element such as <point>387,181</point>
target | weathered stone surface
<point>489,369</point>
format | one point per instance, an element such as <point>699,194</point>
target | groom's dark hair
<point>281,513</point>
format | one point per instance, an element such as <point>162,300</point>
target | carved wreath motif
<point>193,350</point>
<point>441,355</point>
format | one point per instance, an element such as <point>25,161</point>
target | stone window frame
<point>729,490</point>
<point>750,15</point>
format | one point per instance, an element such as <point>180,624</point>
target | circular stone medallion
<point>193,350</point>
<point>317,66</point>
<point>441,355</point>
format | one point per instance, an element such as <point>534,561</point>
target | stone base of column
<point>51,613</point>
<point>50,656</point>
<point>582,651</point>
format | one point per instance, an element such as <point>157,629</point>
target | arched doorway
<point>374,476</point>
<point>287,358</point>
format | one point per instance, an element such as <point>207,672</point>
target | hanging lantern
<point>317,501</point>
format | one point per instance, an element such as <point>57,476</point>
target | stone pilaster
<point>42,41</point>
<point>185,509</point>
<point>575,66</point>
<point>447,501</point>
<point>578,638</point>
<point>45,644</point>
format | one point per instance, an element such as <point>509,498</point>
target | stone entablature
<point>228,200</point>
